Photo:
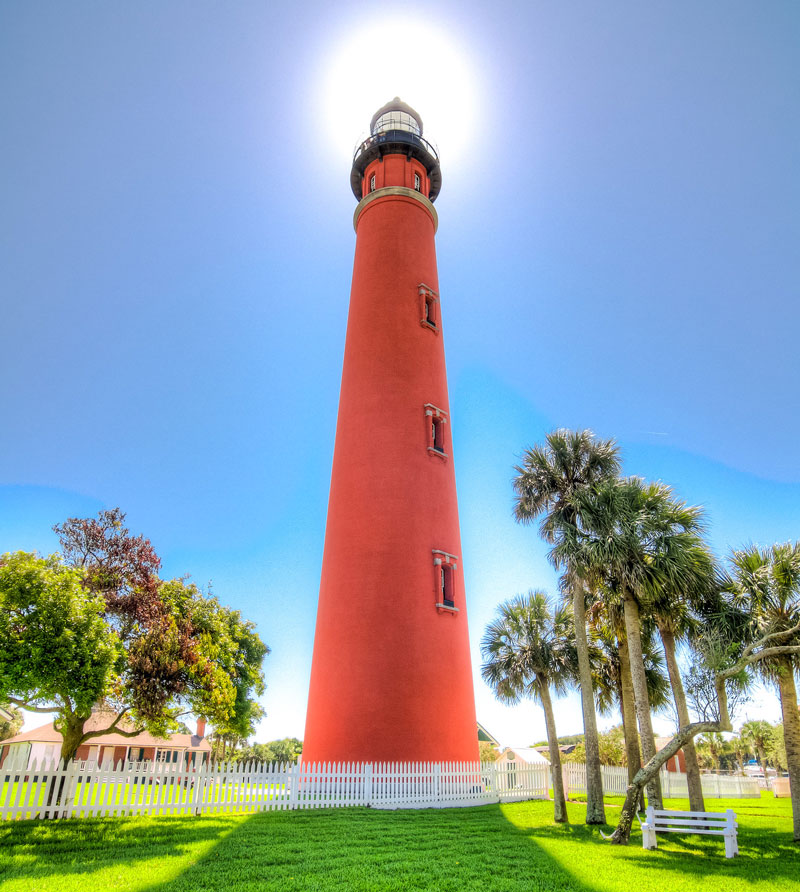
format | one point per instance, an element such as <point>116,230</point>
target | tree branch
<point>112,728</point>
<point>787,633</point>
<point>29,707</point>
<point>748,659</point>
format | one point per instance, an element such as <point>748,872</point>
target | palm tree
<point>765,584</point>
<point>741,750</point>
<point>547,483</point>
<point>612,672</point>
<point>527,650</point>
<point>713,745</point>
<point>638,535</point>
<point>672,612</point>
<point>757,733</point>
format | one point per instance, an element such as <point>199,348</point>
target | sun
<point>418,62</point>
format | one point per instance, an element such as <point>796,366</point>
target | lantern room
<point>396,154</point>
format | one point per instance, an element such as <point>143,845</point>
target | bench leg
<point>731,848</point>
<point>648,837</point>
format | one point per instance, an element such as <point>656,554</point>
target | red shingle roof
<point>48,734</point>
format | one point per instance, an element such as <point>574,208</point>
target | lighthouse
<point>391,678</point>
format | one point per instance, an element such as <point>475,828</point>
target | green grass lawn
<point>494,848</point>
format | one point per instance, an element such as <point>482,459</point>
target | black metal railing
<point>395,136</point>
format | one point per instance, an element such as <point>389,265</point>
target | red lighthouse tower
<point>391,678</point>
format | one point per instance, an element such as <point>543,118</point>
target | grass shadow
<point>83,848</point>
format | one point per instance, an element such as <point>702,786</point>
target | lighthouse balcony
<point>396,141</point>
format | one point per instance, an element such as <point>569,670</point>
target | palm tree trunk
<point>559,802</point>
<point>791,737</point>
<point>628,709</point>
<point>693,780</point>
<point>595,809</point>
<point>634,636</point>
<point>633,755</point>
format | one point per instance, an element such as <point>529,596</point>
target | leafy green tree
<point>487,752</point>
<point>776,748</point>
<point>63,649</point>
<point>547,485</point>
<point>285,750</point>
<point>612,748</point>
<point>56,650</point>
<point>11,720</point>
<point>254,752</point>
<point>527,650</point>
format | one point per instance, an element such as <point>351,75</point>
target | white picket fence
<point>50,790</point>
<point>673,784</point>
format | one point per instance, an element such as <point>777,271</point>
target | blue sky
<point>617,250</point>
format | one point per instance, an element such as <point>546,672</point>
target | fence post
<point>198,787</point>
<point>293,781</point>
<point>437,778</point>
<point>367,768</point>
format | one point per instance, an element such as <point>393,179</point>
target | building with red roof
<point>44,743</point>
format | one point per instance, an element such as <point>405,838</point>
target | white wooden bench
<point>707,822</point>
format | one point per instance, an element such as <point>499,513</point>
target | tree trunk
<point>71,737</point>
<point>595,808</point>
<point>559,803</point>
<point>633,634</point>
<point>791,737</point>
<point>628,709</point>
<point>693,780</point>
<point>622,834</point>
<point>71,729</point>
<point>633,755</point>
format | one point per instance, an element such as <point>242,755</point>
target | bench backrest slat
<point>658,812</point>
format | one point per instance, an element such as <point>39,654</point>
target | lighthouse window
<point>436,420</point>
<point>372,183</point>
<point>429,308</point>
<point>417,182</point>
<point>437,434</point>
<point>446,585</point>
<point>445,566</point>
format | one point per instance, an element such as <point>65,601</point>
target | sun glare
<point>420,64</point>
